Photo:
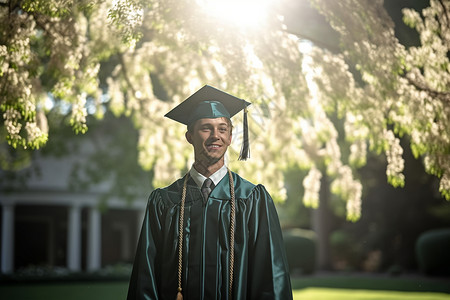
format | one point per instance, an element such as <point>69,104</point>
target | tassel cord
<point>245,150</point>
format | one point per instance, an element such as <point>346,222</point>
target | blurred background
<point>72,204</point>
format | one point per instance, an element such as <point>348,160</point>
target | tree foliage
<point>139,58</point>
<point>406,90</point>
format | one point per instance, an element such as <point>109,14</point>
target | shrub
<point>345,251</point>
<point>300,250</point>
<point>433,252</point>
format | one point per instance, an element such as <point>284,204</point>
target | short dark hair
<point>190,127</point>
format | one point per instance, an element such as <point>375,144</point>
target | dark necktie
<point>207,187</point>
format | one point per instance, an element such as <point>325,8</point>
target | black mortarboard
<point>209,102</point>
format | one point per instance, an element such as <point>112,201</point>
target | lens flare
<point>241,13</point>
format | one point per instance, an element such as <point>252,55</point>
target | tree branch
<point>125,74</point>
<point>421,86</point>
<point>445,11</point>
<point>441,23</point>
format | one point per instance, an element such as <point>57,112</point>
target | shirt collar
<point>216,177</point>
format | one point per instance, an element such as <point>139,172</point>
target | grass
<point>364,282</point>
<point>370,288</point>
<point>305,288</point>
<point>346,294</point>
<point>65,291</point>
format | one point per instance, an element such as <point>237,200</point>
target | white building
<point>45,223</point>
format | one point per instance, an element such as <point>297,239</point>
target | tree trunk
<point>321,224</point>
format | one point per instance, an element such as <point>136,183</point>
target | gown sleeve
<point>143,283</point>
<point>268,269</point>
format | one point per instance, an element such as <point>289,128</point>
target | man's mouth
<point>213,146</point>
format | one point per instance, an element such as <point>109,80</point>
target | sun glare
<point>242,13</point>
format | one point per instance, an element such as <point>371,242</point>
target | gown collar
<point>216,177</point>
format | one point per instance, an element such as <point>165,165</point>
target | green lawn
<point>65,291</point>
<point>307,288</point>
<point>373,282</point>
<point>346,294</point>
<point>369,288</point>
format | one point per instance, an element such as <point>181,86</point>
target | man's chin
<point>210,160</point>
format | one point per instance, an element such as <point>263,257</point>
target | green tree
<point>140,58</point>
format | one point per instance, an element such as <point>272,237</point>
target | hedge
<point>300,250</point>
<point>433,252</point>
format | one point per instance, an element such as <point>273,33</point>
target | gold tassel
<point>179,296</point>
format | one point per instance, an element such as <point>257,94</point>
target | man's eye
<point>223,129</point>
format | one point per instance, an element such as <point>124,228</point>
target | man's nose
<point>215,133</point>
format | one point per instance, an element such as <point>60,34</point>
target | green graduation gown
<point>260,267</point>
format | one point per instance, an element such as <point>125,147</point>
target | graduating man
<point>211,234</point>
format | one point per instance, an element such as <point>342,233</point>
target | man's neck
<point>207,170</point>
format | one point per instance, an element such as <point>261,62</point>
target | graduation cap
<point>209,102</point>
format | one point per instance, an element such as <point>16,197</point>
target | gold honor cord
<point>232,218</point>
<point>232,229</point>
<point>180,238</point>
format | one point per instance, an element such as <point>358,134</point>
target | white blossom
<point>311,184</point>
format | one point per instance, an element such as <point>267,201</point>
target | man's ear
<point>188,136</point>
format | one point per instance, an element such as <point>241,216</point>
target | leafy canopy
<point>139,58</point>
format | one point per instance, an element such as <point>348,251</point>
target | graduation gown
<point>260,265</point>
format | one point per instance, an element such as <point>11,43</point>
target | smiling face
<point>210,139</point>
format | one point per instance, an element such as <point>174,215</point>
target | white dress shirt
<point>216,177</point>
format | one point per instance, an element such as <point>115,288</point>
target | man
<point>211,234</point>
